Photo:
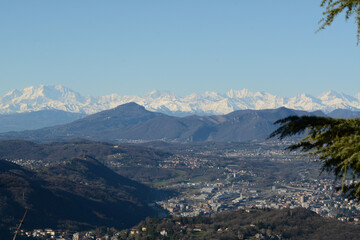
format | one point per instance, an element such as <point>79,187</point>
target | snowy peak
<point>335,96</point>
<point>160,94</point>
<point>212,96</point>
<point>59,97</point>
<point>330,94</point>
<point>41,98</point>
<point>49,92</point>
<point>304,102</point>
<point>357,96</point>
<point>239,93</point>
<point>236,93</point>
<point>335,100</point>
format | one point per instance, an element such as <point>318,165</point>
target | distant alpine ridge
<point>210,103</point>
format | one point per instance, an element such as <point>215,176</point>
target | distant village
<point>208,199</point>
<point>232,191</point>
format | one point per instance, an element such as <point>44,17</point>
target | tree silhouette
<point>334,7</point>
<point>335,142</point>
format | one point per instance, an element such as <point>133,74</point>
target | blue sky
<point>131,47</point>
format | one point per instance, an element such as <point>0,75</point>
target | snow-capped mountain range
<point>209,103</point>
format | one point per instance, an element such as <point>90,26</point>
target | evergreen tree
<point>335,142</point>
<point>334,7</point>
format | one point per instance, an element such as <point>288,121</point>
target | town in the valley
<point>211,178</point>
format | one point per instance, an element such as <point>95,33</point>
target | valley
<point>180,120</point>
<point>118,167</point>
<point>197,178</point>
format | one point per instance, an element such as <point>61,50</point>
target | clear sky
<point>131,47</point>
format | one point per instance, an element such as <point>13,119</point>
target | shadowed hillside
<point>80,193</point>
<point>132,122</point>
<point>294,224</point>
<point>61,151</point>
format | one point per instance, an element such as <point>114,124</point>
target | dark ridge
<point>77,194</point>
<point>344,113</point>
<point>296,224</point>
<point>61,151</point>
<point>132,122</point>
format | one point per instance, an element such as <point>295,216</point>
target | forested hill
<point>293,224</point>
<point>61,151</point>
<point>80,193</point>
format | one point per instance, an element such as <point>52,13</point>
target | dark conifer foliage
<point>334,7</point>
<point>335,142</point>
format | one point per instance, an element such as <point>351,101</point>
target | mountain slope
<point>247,125</point>
<point>131,122</point>
<point>298,223</point>
<point>209,103</point>
<point>344,113</point>
<point>90,195</point>
<point>55,152</point>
